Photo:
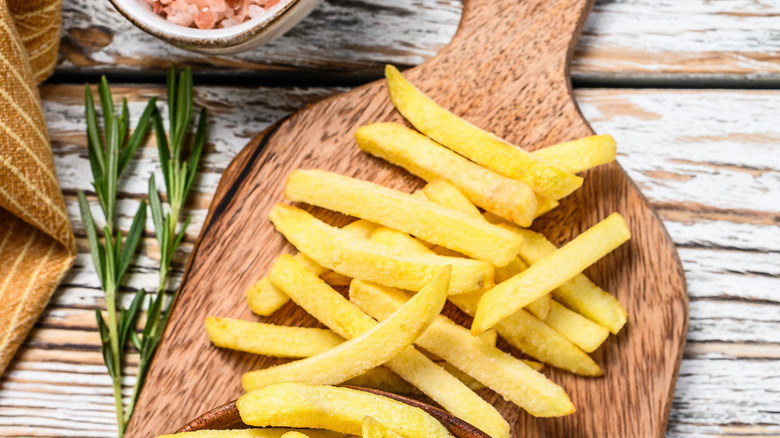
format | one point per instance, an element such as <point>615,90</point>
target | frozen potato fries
<point>478,145</point>
<point>499,371</point>
<point>509,198</point>
<point>401,211</point>
<point>366,351</point>
<point>268,432</point>
<point>269,339</point>
<point>375,429</point>
<point>345,319</point>
<point>460,238</point>
<point>333,408</point>
<point>550,272</point>
<point>264,299</point>
<point>357,258</point>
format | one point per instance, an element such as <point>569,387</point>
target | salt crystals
<point>210,14</point>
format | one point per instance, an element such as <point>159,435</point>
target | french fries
<point>476,144</point>
<point>399,241</point>
<point>499,371</point>
<point>366,351</point>
<point>269,339</point>
<point>581,154</point>
<point>511,199</point>
<point>267,432</point>
<point>444,193</point>
<point>581,331</point>
<point>357,258</point>
<point>403,212</point>
<point>435,241</point>
<point>536,339</point>
<point>539,308</point>
<point>384,379</point>
<point>264,299</point>
<point>346,320</point>
<point>550,272</point>
<point>375,429</point>
<point>579,294</point>
<point>333,408</point>
<point>539,338</point>
<point>300,342</point>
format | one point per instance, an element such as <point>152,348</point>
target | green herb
<point>108,157</point>
<point>178,175</point>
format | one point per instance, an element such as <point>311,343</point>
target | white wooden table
<point>687,87</point>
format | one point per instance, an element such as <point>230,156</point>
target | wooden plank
<point>634,40</point>
<point>729,253</point>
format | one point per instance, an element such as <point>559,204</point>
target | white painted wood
<point>712,173</point>
<point>637,39</point>
<point>716,149</point>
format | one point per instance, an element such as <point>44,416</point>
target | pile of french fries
<point>461,238</point>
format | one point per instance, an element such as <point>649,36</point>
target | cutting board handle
<point>512,57</point>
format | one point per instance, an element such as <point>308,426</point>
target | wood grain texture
<point>529,102</point>
<point>622,40</point>
<point>57,386</point>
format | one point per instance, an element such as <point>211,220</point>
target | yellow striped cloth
<point>37,245</point>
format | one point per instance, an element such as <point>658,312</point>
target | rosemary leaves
<point>109,155</point>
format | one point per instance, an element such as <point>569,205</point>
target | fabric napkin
<point>37,245</point>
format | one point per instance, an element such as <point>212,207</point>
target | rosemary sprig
<point>108,157</point>
<point>178,175</point>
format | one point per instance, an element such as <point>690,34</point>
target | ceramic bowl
<point>259,30</point>
<point>227,417</point>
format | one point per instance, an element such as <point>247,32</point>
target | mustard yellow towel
<point>36,242</point>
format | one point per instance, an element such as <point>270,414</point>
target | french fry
<point>295,434</point>
<point>346,320</point>
<point>333,408</point>
<point>269,339</point>
<point>445,193</point>
<point>375,429</point>
<point>384,379</point>
<point>509,198</point>
<point>580,293</point>
<point>544,205</point>
<point>539,308</point>
<point>581,154</point>
<point>264,299</point>
<point>399,241</point>
<point>364,260</point>
<point>403,212</point>
<point>267,432</point>
<point>550,272</point>
<point>474,143</point>
<point>581,331</point>
<point>499,371</point>
<point>574,327</point>
<point>366,351</point>
<point>535,338</point>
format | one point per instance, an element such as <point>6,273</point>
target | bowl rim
<point>147,20</point>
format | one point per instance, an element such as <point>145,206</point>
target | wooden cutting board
<point>506,70</point>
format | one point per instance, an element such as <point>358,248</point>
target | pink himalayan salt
<point>210,14</point>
